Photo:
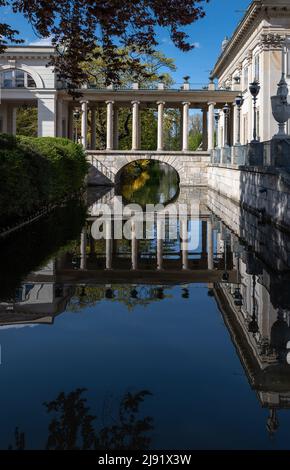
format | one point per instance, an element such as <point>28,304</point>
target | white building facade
<point>254,52</point>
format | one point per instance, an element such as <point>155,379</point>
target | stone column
<point>211,126</point>
<point>110,130</point>
<point>210,264</point>
<point>204,130</point>
<point>93,128</point>
<point>135,124</point>
<point>185,126</point>
<point>236,125</point>
<point>84,124</point>
<point>249,134</point>
<point>160,140</point>
<point>59,117</point>
<point>83,249</point>
<point>46,116</point>
<point>116,128</point>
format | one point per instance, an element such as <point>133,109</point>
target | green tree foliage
<point>35,244</point>
<point>81,29</point>
<point>26,121</point>
<point>195,131</point>
<point>158,68</point>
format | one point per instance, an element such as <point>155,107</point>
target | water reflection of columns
<point>204,239</point>
<point>109,244</point>
<point>160,231</point>
<point>210,264</point>
<point>83,263</point>
<point>134,248</point>
<point>184,242</point>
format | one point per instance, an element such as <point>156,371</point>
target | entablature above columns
<point>171,98</point>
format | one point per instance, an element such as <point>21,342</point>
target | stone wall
<point>269,243</point>
<point>266,192</point>
<point>191,167</point>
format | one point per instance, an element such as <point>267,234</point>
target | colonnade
<point>112,137</point>
<point>207,246</point>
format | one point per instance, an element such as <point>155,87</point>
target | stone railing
<point>274,153</point>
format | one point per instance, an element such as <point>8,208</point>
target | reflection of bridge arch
<point>191,167</point>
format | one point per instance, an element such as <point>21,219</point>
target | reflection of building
<point>260,332</point>
<point>38,300</point>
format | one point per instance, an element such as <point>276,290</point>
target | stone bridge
<point>106,166</point>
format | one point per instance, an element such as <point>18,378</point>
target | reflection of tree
<point>130,296</point>
<point>73,425</point>
<point>33,246</point>
<point>150,184</point>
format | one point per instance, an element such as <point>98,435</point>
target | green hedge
<point>36,172</point>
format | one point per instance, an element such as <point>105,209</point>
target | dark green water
<point>201,360</point>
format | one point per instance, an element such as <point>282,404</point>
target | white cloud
<point>196,45</point>
<point>41,42</point>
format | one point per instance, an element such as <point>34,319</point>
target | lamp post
<point>239,103</point>
<point>226,110</point>
<point>254,90</point>
<point>76,116</point>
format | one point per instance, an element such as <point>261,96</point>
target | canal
<point>148,343</point>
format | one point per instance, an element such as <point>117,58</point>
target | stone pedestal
<point>255,154</point>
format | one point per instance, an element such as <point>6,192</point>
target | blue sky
<point>221,19</point>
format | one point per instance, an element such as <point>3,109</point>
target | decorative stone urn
<point>281,108</point>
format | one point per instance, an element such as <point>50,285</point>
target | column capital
<point>211,103</point>
<point>84,102</point>
<point>135,102</point>
<point>110,102</point>
<point>186,103</point>
<point>160,102</point>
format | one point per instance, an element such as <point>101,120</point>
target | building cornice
<point>257,9</point>
<point>27,52</point>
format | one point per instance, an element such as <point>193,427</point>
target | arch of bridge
<point>190,167</point>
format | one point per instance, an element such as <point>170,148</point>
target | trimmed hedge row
<point>36,172</point>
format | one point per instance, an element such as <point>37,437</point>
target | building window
<point>246,78</point>
<point>16,79</point>
<point>8,79</point>
<point>19,79</point>
<point>257,68</point>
